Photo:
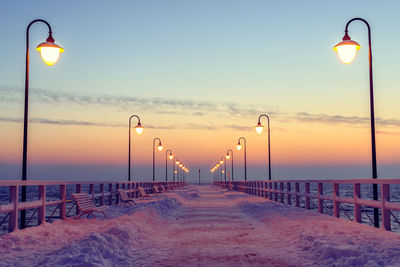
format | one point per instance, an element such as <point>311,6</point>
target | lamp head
<point>177,162</point>
<point>239,146</point>
<point>139,128</point>
<point>160,146</point>
<point>171,156</point>
<point>221,162</point>
<point>347,49</point>
<point>227,156</point>
<point>49,51</point>
<point>259,128</point>
<point>180,165</point>
<point>217,165</point>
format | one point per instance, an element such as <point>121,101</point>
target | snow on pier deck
<point>202,226</point>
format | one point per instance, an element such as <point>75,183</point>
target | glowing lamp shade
<point>50,52</point>
<point>180,165</point>
<point>259,128</point>
<point>139,128</point>
<point>171,156</point>
<point>227,156</point>
<point>217,165</point>
<point>347,50</point>
<point>222,162</point>
<point>239,146</point>
<point>160,147</point>
<point>177,163</point>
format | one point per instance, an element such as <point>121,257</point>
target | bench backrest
<point>156,189</point>
<point>123,195</point>
<point>84,201</point>
<point>162,187</point>
<point>142,192</point>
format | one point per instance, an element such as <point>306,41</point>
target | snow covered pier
<point>202,226</point>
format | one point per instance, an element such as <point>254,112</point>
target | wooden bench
<point>125,200</point>
<point>85,205</point>
<point>143,193</point>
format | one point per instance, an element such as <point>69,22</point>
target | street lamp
<point>259,129</point>
<point>228,156</point>
<point>139,130</point>
<point>239,147</point>
<point>50,53</point>
<point>347,50</point>
<point>175,171</point>
<point>159,147</point>
<point>170,156</point>
<point>223,163</point>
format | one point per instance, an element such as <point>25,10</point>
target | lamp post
<point>228,156</point>
<point>139,130</point>
<point>239,147</point>
<point>170,156</point>
<point>50,53</point>
<point>160,148</point>
<point>346,51</point>
<point>259,128</point>
<point>223,163</point>
<point>175,170</point>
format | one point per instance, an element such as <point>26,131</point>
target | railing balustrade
<point>281,191</point>
<point>105,196</point>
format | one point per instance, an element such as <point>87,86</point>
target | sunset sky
<point>199,73</point>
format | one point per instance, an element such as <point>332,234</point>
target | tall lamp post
<point>239,147</point>
<point>222,162</point>
<point>259,129</point>
<point>139,130</point>
<point>346,51</point>
<point>160,148</point>
<point>170,156</point>
<point>50,53</point>
<point>228,156</point>
<point>175,170</point>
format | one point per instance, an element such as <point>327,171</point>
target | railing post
<point>385,197</point>
<point>91,191</point>
<point>63,198</point>
<point>307,198</point>
<point>275,191</point>
<point>110,197</point>
<point>117,198</point>
<point>270,190</point>
<point>320,200</point>
<point>336,194</point>
<point>78,189</point>
<point>282,193</point>
<point>289,193</point>
<point>42,208</point>
<point>357,207</point>
<point>297,191</point>
<point>13,219</point>
<point>102,194</point>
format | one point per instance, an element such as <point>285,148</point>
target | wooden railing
<point>106,195</point>
<point>296,191</point>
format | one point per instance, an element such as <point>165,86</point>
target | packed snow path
<point>202,226</point>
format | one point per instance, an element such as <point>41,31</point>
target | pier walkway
<point>202,226</point>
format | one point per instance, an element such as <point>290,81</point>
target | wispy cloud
<point>178,107</point>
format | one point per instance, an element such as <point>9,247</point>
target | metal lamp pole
<point>139,130</point>
<point>347,41</point>
<point>227,157</point>
<point>159,148</point>
<point>259,129</point>
<point>166,162</point>
<point>49,43</point>
<point>239,146</point>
